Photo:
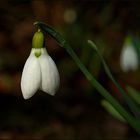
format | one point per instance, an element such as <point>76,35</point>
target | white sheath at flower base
<point>39,73</point>
<point>129,58</point>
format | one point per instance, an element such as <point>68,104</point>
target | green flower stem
<point>132,105</point>
<point>129,118</point>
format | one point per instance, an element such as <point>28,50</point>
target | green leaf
<point>58,37</point>
<point>133,107</point>
<point>112,110</point>
<point>134,94</point>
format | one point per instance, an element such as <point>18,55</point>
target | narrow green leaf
<point>136,43</point>
<point>131,120</point>
<point>134,94</point>
<point>134,108</point>
<point>112,110</point>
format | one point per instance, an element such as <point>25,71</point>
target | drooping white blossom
<point>40,71</point>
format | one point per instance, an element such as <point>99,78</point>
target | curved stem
<point>130,119</point>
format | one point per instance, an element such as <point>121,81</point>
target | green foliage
<point>112,110</point>
<point>133,121</point>
<point>134,94</point>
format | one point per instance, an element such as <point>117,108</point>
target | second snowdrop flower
<point>40,71</point>
<point>129,57</point>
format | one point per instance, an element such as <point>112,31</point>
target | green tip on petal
<point>38,40</point>
<point>37,54</point>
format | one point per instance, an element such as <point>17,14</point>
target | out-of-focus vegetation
<point>75,112</point>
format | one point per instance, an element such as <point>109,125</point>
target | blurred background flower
<point>129,57</point>
<point>75,112</point>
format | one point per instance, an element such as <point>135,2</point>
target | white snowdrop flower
<point>128,57</point>
<point>40,71</point>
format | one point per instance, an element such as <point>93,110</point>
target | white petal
<point>31,76</point>
<point>50,75</point>
<point>129,59</point>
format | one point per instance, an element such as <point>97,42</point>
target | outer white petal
<point>129,59</point>
<point>31,76</point>
<point>50,75</point>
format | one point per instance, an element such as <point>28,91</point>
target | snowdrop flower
<point>129,58</point>
<point>40,71</point>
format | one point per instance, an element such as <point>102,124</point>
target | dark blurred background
<point>75,111</point>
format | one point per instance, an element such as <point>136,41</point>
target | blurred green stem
<point>132,105</point>
<point>130,119</point>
